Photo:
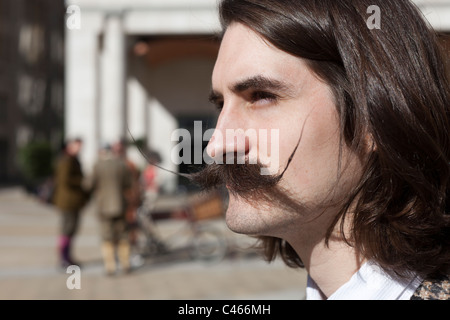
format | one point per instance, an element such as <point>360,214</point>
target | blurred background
<point>104,71</point>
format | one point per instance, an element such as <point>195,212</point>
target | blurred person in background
<point>133,195</point>
<point>363,117</point>
<point>69,197</point>
<point>110,180</point>
<point>150,180</point>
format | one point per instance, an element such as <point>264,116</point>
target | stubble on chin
<point>260,215</point>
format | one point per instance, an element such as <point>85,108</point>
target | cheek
<point>314,167</point>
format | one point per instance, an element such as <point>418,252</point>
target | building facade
<point>105,70</point>
<point>143,68</point>
<point>31,78</point>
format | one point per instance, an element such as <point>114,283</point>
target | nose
<point>229,142</point>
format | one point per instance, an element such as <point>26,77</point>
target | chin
<point>244,218</point>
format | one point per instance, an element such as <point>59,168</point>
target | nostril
<point>236,157</point>
<point>215,148</point>
<point>231,147</point>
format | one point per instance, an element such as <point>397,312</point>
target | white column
<point>137,118</point>
<point>81,99</point>
<point>437,13</point>
<point>113,73</point>
<point>161,126</point>
<point>137,101</point>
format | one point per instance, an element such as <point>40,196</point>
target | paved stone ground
<point>28,264</point>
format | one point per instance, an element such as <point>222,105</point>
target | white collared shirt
<point>369,283</point>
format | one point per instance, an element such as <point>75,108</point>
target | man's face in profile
<point>258,86</point>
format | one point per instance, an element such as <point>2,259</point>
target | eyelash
<point>254,98</point>
<point>219,105</point>
<point>262,95</point>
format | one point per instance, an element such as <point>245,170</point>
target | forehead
<point>243,54</point>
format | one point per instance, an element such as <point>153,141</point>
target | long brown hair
<point>389,84</point>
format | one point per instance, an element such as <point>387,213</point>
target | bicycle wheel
<point>208,244</point>
<point>148,243</point>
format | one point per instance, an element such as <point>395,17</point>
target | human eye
<point>217,101</point>
<point>218,104</point>
<point>263,97</point>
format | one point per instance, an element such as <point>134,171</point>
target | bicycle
<point>188,224</point>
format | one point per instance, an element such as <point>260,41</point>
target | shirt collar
<point>370,282</point>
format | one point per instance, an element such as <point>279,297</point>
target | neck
<point>330,264</point>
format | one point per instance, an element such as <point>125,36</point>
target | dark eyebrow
<point>259,83</point>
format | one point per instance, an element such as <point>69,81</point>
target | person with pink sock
<point>69,197</point>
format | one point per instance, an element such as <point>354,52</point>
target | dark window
<point>445,41</point>
<point>3,160</point>
<point>5,31</point>
<point>3,108</point>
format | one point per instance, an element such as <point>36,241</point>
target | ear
<point>370,144</point>
<point>367,145</point>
